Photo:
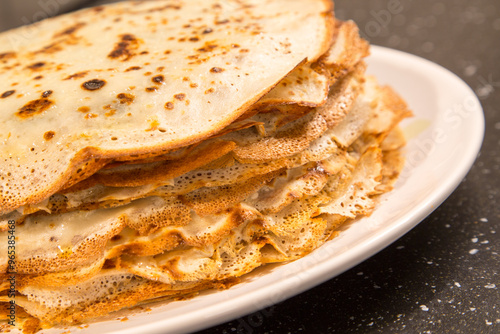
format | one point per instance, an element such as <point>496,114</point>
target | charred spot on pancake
<point>38,77</point>
<point>34,107</point>
<point>133,68</point>
<point>49,135</point>
<point>116,237</point>
<point>6,55</point>
<point>93,84</point>
<point>194,39</point>
<point>76,75</point>
<point>207,31</point>
<point>36,66</point>
<point>51,48</point>
<point>151,89</point>
<point>180,97</point>
<point>125,48</point>
<point>222,21</point>
<point>158,79</point>
<point>70,30</point>
<point>47,93</point>
<point>7,94</point>
<point>169,105</point>
<point>207,47</point>
<point>126,98</point>
<point>216,70</point>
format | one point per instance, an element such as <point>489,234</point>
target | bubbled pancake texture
<point>139,78</point>
<point>190,195</point>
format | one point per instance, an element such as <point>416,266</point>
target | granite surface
<point>441,277</point>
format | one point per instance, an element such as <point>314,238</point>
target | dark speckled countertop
<point>441,277</point>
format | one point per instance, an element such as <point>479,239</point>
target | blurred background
<point>442,277</point>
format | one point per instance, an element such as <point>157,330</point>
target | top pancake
<point>139,78</point>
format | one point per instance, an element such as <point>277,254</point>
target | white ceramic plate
<point>445,137</point>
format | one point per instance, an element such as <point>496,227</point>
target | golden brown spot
<point>208,47</point>
<point>194,39</point>
<point>151,89</point>
<point>98,9</point>
<point>169,105</point>
<point>160,69</point>
<point>49,135</point>
<point>144,53</point>
<point>209,91</point>
<point>193,85</point>
<point>36,66</point>
<point>148,73</point>
<point>70,30</point>
<point>217,70</point>
<point>51,48</point>
<point>167,52</point>
<point>185,79</point>
<point>183,39</point>
<point>180,97</point>
<point>133,68</point>
<point>158,79</point>
<point>47,93</point>
<point>244,50</point>
<point>110,112</point>
<point>93,84</point>
<point>235,46</point>
<point>171,266</point>
<point>34,107</point>
<point>84,109</point>
<point>222,21</point>
<point>153,125</point>
<point>7,94</point>
<point>7,55</point>
<point>207,31</point>
<point>126,98</point>
<point>125,48</point>
<point>89,116</point>
<point>77,75</point>
<point>158,9</point>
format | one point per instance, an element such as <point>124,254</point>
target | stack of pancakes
<point>153,149</point>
